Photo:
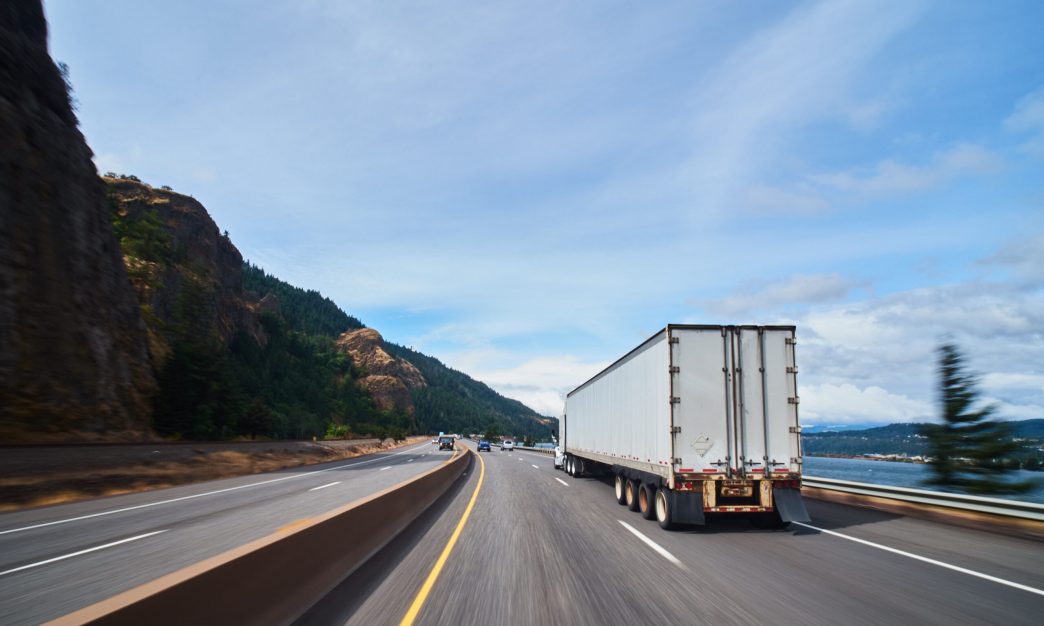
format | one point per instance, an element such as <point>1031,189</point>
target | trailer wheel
<point>664,514</point>
<point>620,486</point>
<point>647,501</point>
<point>631,495</point>
<point>578,468</point>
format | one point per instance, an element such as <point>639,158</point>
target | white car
<point>507,444</point>
<point>559,458</point>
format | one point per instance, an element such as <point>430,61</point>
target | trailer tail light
<point>789,484</point>
<point>685,486</point>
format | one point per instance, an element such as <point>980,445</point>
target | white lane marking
<point>536,467</point>
<point>384,468</point>
<point>69,556</point>
<point>652,544</point>
<point>200,495</point>
<point>336,482</point>
<point>410,461</point>
<point>561,481</point>
<point>918,557</point>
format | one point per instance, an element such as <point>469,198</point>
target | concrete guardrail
<point>542,450</point>
<point>273,580</point>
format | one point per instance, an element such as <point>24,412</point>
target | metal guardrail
<point>996,506</point>
<point>959,501</point>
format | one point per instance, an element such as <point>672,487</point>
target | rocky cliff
<point>187,275</point>
<point>73,351</point>
<point>389,379</point>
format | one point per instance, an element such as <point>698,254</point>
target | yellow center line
<point>425,589</point>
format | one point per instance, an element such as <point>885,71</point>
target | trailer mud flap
<point>687,508</point>
<point>790,505</point>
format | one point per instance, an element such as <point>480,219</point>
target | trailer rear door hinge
<point>674,369</point>
<point>792,370</point>
<point>676,460</point>
<point>790,341</point>
<point>793,400</point>
<point>675,399</point>
<point>673,340</point>
<point>675,430</point>
<point>795,429</point>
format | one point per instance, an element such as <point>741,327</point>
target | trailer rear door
<point>703,440</point>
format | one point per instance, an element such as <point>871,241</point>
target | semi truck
<point>697,420</point>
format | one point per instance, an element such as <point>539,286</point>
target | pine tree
<point>967,449</point>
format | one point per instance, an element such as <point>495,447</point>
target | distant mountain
<point>904,439</point>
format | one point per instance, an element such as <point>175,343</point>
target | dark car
<point>445,443</point>
<point>483,445</point>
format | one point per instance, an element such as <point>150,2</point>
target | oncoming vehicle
<point>483,445</point>
<point>446,442</point>
<point>507,444</point>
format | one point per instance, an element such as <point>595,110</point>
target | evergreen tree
<point>967,448</point>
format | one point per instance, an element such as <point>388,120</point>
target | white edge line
<point>336,482</point>
<point>925,559</point>
<point>652,544</point>
<point>200,495</point>
<point>561,481</point>
<point>384,468</point>
<point>69,556</point>
<point>536,467</point>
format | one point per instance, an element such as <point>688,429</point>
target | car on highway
<point>446,442</point>
<point>483,445</point>
<point>559,458</point>
<point>507,444</point>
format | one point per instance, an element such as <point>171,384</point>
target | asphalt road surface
<point>54,560</point>
<point>541,547</point>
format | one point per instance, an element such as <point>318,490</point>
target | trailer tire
<point>571,465</point>
<point>647,501</point>
<point>620,488</point>
<point>578,468</point>
<point>631,497</point>
<point>664,514</point>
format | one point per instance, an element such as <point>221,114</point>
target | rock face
<point>187,275</point>
<point>389,379</point>
<point>73,350</point>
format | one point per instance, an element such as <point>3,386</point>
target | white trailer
<point>697,419</point>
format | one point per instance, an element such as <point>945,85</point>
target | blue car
<point>483,445</point>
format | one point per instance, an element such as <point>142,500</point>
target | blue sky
<point>527,189</point>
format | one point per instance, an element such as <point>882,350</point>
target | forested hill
<point>452,401</point>
<point>307,311</point>
<point>455,402</point>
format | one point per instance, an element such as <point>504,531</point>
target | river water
<point>901,474</point>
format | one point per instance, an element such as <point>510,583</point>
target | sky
<point>527,190</point>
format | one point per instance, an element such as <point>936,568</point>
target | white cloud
<point>893,177</point>
<point>845,403</point>
<point>772,297</point>
<point>1028,118</point>
<point>541,383</point>
<point>1023,256</point>
<point>769,199</point>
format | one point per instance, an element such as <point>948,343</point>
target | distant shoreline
<point>870,458</point>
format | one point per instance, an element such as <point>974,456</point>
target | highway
<point>539,547</point>
<point>56,559</point>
